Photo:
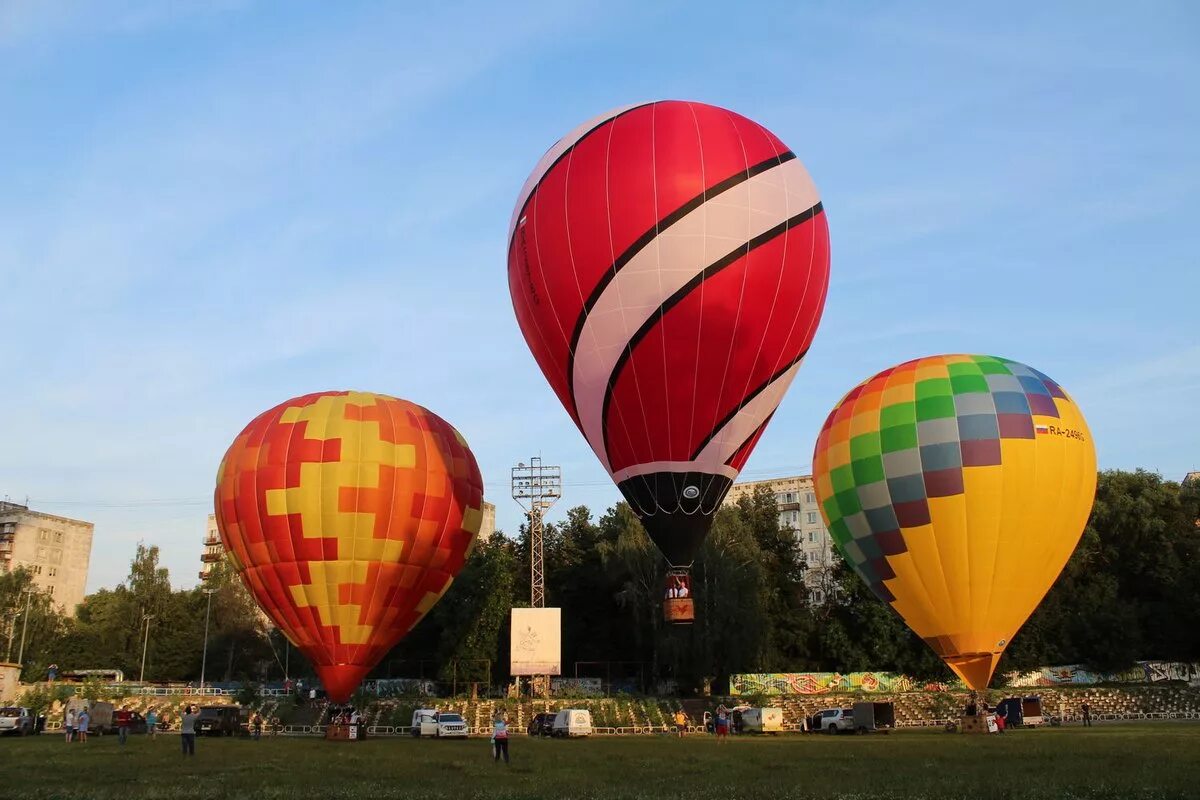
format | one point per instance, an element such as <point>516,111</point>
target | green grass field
<point>1118,761</point>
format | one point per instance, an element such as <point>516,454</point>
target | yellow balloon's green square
<point>969,384</point>
<point>933,387</point>
<point>848,502</point>
<point>864,445</point>
<point>868,470</point>
<point>898,437</point>
<point>839,531</point>
<point>992,366</point>
<point>963,368</point>
<point>898,414</point>
<point>842,478</point>
<point>935,408</point>
<point>831,511</point>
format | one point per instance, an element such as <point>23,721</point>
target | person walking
<point>680,723</point>
<point>499,737</point>
<point>81,724</point>
<point>151,722</point>
<point>69,722</point>
<point>257,724</point>
<point>123,725</point>
<point>187,732</point>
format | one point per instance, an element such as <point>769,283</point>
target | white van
<point>424,722</point>
<point>571,722</point>
<point>762,720</point>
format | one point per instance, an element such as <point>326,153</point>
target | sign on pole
<point>536,641</point>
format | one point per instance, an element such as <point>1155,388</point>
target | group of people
<point>75,724</point>
<point>678,588</point>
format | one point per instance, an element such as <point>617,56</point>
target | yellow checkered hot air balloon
<point>957,486</point>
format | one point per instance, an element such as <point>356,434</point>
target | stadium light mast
<point>536,488</point>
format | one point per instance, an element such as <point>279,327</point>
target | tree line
<point>1131,591</point>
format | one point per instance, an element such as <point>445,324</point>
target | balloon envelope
<point>668,264</point>
<point>347,515</point>
<point>957,487</point>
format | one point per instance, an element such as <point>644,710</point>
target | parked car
<point>542,724</point>
<point>762,720</point>
<point>451,726</point>
<point>572,722</point>
<point>16,720</point>
<point>219,721</point>
<point>833,720</point>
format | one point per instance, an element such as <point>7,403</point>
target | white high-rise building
<point>796,500</point>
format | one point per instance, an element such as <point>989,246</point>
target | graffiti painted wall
<point>1073,675</point>
<point>826,682</point>
<point>776,683</point>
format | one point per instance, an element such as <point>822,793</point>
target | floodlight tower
<point>536,487</point>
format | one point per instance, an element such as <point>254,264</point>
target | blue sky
<point>207,208</point>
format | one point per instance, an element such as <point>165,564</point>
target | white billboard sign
<point>536,641</point>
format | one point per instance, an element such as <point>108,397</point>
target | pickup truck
<point>16,720</point>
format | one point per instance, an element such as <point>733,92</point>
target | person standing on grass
<point>151,722</point>
<point>69,725</point>
<point>680,723</point>
<point>1087,715</point>
<point>123,725</point>
<point>81,724</point>
<point>499,737</point>
<point>258,726</point>
<point>187,733</point>
<point>722,726</point>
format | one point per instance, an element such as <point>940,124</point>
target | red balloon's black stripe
<point>712,269</point>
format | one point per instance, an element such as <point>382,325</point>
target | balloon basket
<point>679,611</point>
<point>678,608</point>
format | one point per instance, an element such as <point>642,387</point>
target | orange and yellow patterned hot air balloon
<point>957,487</point>
<point>347,515</point>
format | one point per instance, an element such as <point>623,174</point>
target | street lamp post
<point>145,646</point>
<point>24,626</point>
<point>204,658</point>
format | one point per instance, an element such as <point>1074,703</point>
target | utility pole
<point>145,646</point>
<point>536,487</point>
<point>204,658</point>
<point>24,626</point>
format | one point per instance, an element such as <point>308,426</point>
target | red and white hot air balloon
<point>668,264</point>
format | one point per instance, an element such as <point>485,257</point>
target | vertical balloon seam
<point>426,459</point>
<point>361,467</point>
<point>993,590</point>
<point>258,430</point>
<point>601,447</point>
<point>628,350</point>
<point>718,422</point>
<point>663,419</point>
<point>255,441</point>
<point>898,377</point>
<point>964,507</point>
<point>387,408</point>
<point>704,240</point>
<point>940,560</point>
<point>328,632</point>
<point>446,452</point>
